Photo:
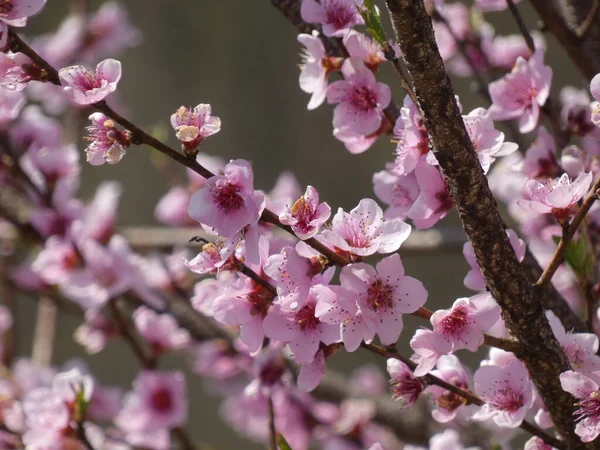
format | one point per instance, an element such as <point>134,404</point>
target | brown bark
<point>466,182</point>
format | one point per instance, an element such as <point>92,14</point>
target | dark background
<point>241,56</point>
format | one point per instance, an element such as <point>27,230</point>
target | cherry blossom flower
<point>507,392</point>
<point>360,98</point>
<point>15,14</point>
<point>310,375</point>
<point>595,90</point>
<point>450,370</point>
<point>580,348</point>
<point>558,197</point>
<point>212,257</point>
<point>412,138</point>
<point>363,231</point>
<point>194,125</point>
<point>522,93</point>
<point>577,111</point>
<point>306,215</point>
<point>315,68</point>
<point>35,129</point>
<point>492,5</point>
<point>11,103</point>
<point>16,71</point>
<point>434,201</point>
<point>586,390</point>
<point>447,440</point>
<point>107,143</point>
<point>383,294</point>
<point>474,279</point>
<point>405,387</point>
<point>301,328</point>
<point>398,192</point>
<point>158,401</point>
<point>487,141</point>
<point>540,158</point>
<point>172,208</point>
<point>536,443</point>
<point>363,47</point>
<point>161,331</point>
<point>228,202</point>
<point>84,87</point>
<point>336,16</point>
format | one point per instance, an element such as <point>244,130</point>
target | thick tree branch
<point>476,206</point>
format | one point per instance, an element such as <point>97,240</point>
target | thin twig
<point>126,330</point>
<point>43,337</point>
<point>470,397</point>
<point>184,439</point>
<point>588,21</point>
<point>559,253</point>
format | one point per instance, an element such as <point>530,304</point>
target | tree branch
<point>476,206</point>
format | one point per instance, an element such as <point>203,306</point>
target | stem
<point>43,337</point>
<point>470,397</point>
<point>559,253</point>
<point>126,330</point>
<point>184,439</point>
<point>272,430</point>
<point>588,21</point>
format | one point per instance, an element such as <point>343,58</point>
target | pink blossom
<point>586,390</point>
<point>343,311</point>
<point>536,443</point>
<point>34,128</point>
<point>306,215</point>
<point>487,141</point>
<point>502,51</point>
<point>158,401</point>
<point>84,87</point>
<point>446,440</point>
<point>540,158</point>
<point>172,208</point>
<point>301,328</point>
<point>46,165</point>
<point>405,387</point>
<point>457,16</point>
<point>194,125</point>
<point>522,93</point>
<point>450,370</point>
<point>580,348</point>
<point>11,103</point>
<point>15,14</point>
<point>360,98</point>
<point>336,16</point>
<point>595,90</point>
<point>95,332</point>
<point>363,47</point>
<point>228,202</point>
<point>310,374</point>
<point>577,111</point>
<point>315,68</point>
<point>434,201</point>
<point>558,197</point>
<point>368,379</point>
<point>507,392</point>
<point>161,331</point>
<point>396,191</point>
<point>363,231</point>
<point>213,256</point>
<point>493,5</point>
<point>463,325</point>
<point>56,261</point>
<point>474,279</point>
<point>412,139</point>
<point>356,142</point>
<point>427,351</point>
<point>16,71</point>
<point>107,143</point>
<point>383,295</point>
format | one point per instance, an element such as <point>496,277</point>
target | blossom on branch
<point>84,87</point>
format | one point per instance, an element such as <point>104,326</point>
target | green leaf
<point>281,442</point>
<point>370,15</point>
<point>578,257</point>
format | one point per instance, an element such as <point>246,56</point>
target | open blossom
<point>405,387</point>
<point>507,392</point>
<point>306,215</point>
<point>301,328</point>
<point>85,87</point>
<point>107,143</point>
<point>336,16</point>
<point>194,125</point>
<point>383,294</point>
<point>158,401</point>
<point>16,71</point>
<point>11,103</point>
<point>488,142</point>
<point>396,191</point>
<point>586,389</point>
<point>15,14</point>
<point>448,403</point>
<point>595,90</point>
<point>161,331</point>
<point>522,93</point>
<point>228,202</point>
<point>474,279</point>
<point>363,231</point>
<point>540,158</point>
<point>360,98</point>
<point>434,201</point>
<point>316,67</point>
<point>558,196</point>
<point>362,46</point>
<point>412,139</point>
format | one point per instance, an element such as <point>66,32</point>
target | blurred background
<point>242,57</point>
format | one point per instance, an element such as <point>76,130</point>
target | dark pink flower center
<point>445,202</point>
<point>87,81</point>
<point>363,98</point>
<point>305,318</point>
<point>339,15</point>
<point>380,295</point>
<point>6,7</point>
<point>406,389</point>
<point>508,400</point>
<point>304,213</point>
<point>226,196</point>
<point>589,407</point>
<point>161,400</point>
<point>454,322</point>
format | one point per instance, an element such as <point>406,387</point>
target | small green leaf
<point>282,443</point>
<point>370,15</point>
<point>578,257</point>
